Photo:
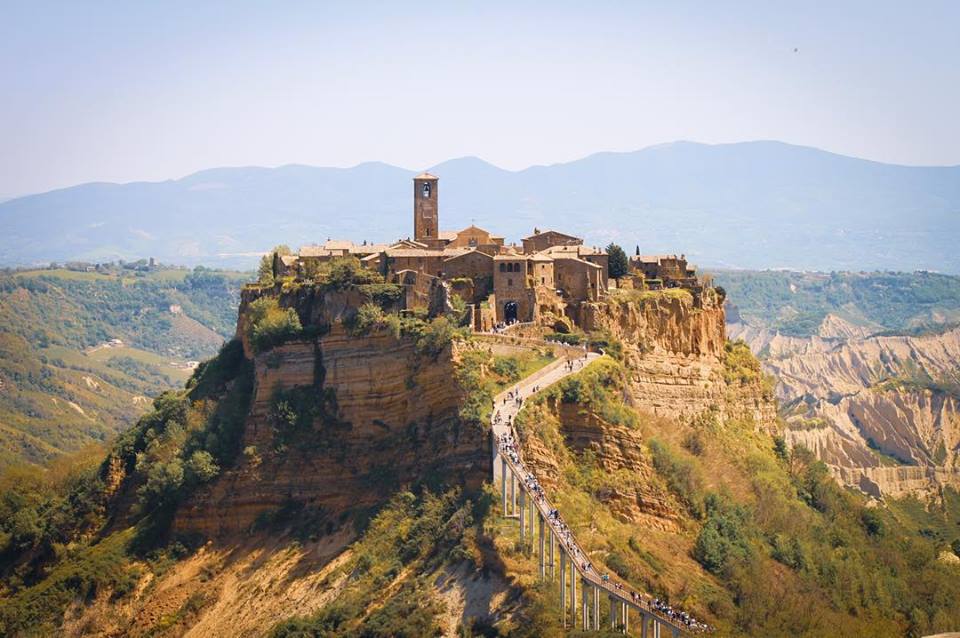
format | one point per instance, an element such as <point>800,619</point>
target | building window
<point>543,281</point>
<point>503,267</point>
<point>428,232</point>
<point>510,282</point>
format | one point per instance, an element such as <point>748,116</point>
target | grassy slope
<point>59,390</point>
<point>801,560</point>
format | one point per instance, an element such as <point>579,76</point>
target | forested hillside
<point>796,303</point>
<point>81,352</point>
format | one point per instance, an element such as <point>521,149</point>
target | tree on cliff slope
<point>617,266</point>
<point>265,270</point>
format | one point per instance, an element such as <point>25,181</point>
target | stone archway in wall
<point>510,310</point>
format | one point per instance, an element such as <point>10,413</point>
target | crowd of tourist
<point>508,447</point>
<point>501,327</point>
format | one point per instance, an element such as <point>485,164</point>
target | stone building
<point>542,240</point>
<point>665,271</point>
<point>550,274</point>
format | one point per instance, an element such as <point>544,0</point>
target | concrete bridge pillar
<point>613,612</point>
<point>532,505</point>
<point>543,567</point>
<point>513,493</point>
<point>553,563</point>
<point>584,610</point>
<point>644,624</point>
<point>563,588</point>
<point>625,616</point>
<point>573,592</point>
<point>503,484</point>
<point>596,608</point>
<point>656,628</point>
<point>523,521</point>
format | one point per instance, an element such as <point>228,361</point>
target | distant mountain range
<point>746,205</point>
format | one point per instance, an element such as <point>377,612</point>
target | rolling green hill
<point>80,352</point>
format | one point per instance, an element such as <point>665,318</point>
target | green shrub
<point>872,521</point>
<point>347,272</point>
<point>619,566</point>
<point>680,474</point>
<point>788,551</point>
<point>507,367</point>
<point>433,337</point>
<point>369,317</point>
<point>722,541</point>
<point>740,367</point>
<point>569,339</point>
<point>268,325</point>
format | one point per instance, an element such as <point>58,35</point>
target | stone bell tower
<point>426,208</point>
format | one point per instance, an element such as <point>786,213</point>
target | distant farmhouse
<point>552,274</point>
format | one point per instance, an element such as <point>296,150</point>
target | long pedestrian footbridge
<point>542,527</point>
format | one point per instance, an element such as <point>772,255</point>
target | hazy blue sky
<point>131,90</point>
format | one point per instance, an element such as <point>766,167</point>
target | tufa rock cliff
<point>381,416</point>
<point>674,354</point>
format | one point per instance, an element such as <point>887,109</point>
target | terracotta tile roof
<point>369,248</point>
<point>314,251</point>
<point>412,252</point>
<point>407,243</point>
<point>449,235</point>
<point>574,250</point>
<point>338,244</point>
<point>589,264</point>
<point>469,251</point>
<point>551,232</point>
<point>473,227</point>
<point>288,260</point>
<point>426,175</point>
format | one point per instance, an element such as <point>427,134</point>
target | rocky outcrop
<point>673,357</point>
<point>382,416</point>
<point>618,447</point>
<point>673,353</point>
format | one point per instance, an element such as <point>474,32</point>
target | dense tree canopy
<point>618,265</point>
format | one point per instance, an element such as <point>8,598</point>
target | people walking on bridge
<point>508,447</point>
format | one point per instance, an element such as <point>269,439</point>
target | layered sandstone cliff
<point>674,355</point>
<point>388,418</point>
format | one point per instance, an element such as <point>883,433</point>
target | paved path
<point>510,457</point>
<point>507,407</point>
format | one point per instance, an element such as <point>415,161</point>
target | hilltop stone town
<point>550,276</point>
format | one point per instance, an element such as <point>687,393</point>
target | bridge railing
<point>543,506</point>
